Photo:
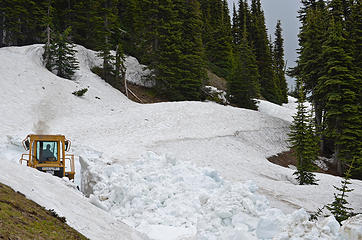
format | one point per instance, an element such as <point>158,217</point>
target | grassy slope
<point>21,218</point>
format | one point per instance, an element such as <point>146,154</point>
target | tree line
<point>329,74</point>
<point>178,39</point>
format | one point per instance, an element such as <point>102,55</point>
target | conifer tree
<point>279,64</point>
<point>244,85</point>
<point>235,27</point>
<point>151,16</point>
<point>339,207</point>
<point>340,89</point>
<point>310,62</point>
<point>179,69</point>
<point>303,141</point>
<point>218,41</point>
<point>86,23</point>
<point>48,50</point>
<point>355,35</point>
<point>242,20</point>
<point>130,16</point>
<point>119,71</point>
<point>329,64</point>
<point>269,88</point>
<point>62,59</point>
<point>21,21</point>
<point>108,21</point>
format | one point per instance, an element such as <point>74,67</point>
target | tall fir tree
<point>279,63</point>
<point>193,66</point>
<point>21,21</point>
<point>86,23</point>
<point>179,69</point>
<point>310,63</point>
<point>303,140</point>
<point>269,88</point>
<point>244,84</point>
<point>48,24</point>
<point>218,40</point>
<point>340,89</point>
<point>235,27</point>
<point>131,22</point>
<point>108,20</point>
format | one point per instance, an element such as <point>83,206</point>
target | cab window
<point>47,151</point>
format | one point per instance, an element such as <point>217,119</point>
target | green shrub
<point>80,92</point>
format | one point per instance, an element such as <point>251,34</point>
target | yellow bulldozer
<point>47,154</point>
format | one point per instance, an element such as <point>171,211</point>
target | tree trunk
<point>106,52</point>
<point>2,18</point>
<point>48,25</point>
<point>338,161</point>
<point>319,124</point>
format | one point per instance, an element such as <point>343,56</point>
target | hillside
<point>187,139</point>
<point>21,218</point>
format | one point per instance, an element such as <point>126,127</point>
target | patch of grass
<point>21,218</point>
<point>80,92</point>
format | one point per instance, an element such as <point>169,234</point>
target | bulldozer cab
<point>47,154</point>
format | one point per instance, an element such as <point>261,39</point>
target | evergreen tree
<point>269,88</point>
<point>339,207</point>
<point>340,89</point>
<point>192,63</point>
<point>130,15</point>
<point>235,27</point>
<point>108,13</point>
<point>48,50</point>
<point>62,59</point>
<point>355,35</point>
<point>308,5</point>
<point>329,64</point>
<point>279,64</point>
<point>86,23</point>
<point>303,141</point>
<point>244,21</point>
<point>218,39</point>
<point>119,71</point>
<point>244,85</point>
<point>152,22</point>
<point>20,21</point>
<point>310,62</point>
<point>179,68</point>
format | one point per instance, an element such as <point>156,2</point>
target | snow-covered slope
<point>107,129</point>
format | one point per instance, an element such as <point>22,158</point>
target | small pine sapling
<point>339,207</point>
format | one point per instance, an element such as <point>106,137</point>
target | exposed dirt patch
<point>21,218</point>
<point>149,95</point>
<point>146,95</point>
<point>216,81</point>
<point>287,158</point>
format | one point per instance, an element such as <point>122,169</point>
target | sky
<point>286,11</point>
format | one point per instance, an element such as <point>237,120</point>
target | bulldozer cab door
<point>47,151</point>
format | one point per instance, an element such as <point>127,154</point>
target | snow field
<point>159,194</point>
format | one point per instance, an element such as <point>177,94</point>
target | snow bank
<point>62,196</point>
<point>135,72</point>
<point>275,110</point>
<point>170,199</point>
<point>351,228</point>
<point>220,94</point>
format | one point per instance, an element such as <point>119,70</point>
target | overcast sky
<point>286,12</point>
